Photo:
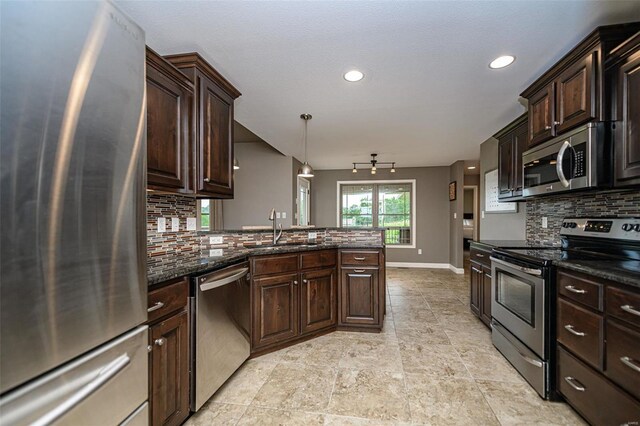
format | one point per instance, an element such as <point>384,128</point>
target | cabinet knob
<point>547,127</point>
<point>556,123</point>
<point>295,282</point>
<point>160,341</point>
<point>206,179</point>
<point>304,281</point>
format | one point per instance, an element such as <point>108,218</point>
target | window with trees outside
<point>384,204</point>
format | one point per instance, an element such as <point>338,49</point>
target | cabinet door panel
<point>486,296</point>
<point>541,116</point>
<point>170,371</point>
<point>476,277</point>
<point>318,298</point>
<point>505,166</point>
<point>275,302</point>
<point>168,131</point>
<point>520,140</point>
<point>576,93</point>
<point>215,149</point>
<point>627,140</point>
<point>359,296</point>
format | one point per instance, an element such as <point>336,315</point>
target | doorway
<point>304,203</point>
<point>470,217</point>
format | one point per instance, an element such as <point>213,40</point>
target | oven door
<point>517,302</point>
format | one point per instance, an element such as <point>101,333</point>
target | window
<point>204,214</point>
<point>385,204</point>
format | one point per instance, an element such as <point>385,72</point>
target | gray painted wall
<point>468,201</point>
<point>262,183</point>
<point>432,208</point>
<point>456,211</point>
<point>498,226</point>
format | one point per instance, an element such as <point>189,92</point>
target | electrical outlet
<point>277,215</point>
<point>215,239</point>
<point>545,224</point>
<point>482,214</point>
<point>191,224</point>
<point>162,224</point>
<point>284,215</point>
<point>313,235</point>
<point>175,224</point>
<point>455,215</point>
<point>215,252</point>
<point>419,251</point>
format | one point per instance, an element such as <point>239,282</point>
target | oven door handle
<point>530,271</point>
<point>559,160</point>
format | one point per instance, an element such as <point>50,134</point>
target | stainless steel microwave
<point>578,159</point>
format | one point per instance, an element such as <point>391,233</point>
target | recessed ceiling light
<point>502,62</point>
<point>353,75</point>
<point>471,167</point>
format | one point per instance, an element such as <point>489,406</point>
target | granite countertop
<point>514,244</point>
<point>201,262</point>
<point>268,229</point>
<point>621,271</point>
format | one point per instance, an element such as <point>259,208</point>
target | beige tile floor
<point>433,364</point>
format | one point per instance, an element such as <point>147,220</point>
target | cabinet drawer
<point>359,258</point>
<point>600,402</point>
<point>624,305</point>
<point>170,298</point>
<point>581,332</point>
<point>623,357</point>
<point>274,264</point>
<point>580,289</point>
<point>317,259</point>
<point>480,256</point>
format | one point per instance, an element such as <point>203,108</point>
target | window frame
<point>199,226</point>
<point>376,183</point>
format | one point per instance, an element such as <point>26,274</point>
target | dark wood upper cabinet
<point>623,70</point>
<point>170,371</point>
<point>319,300</point>
<point>275,309</point>
<point>213,106</point>
<point>169,126</point>
<point>573,91</point>
<point>512,142</point>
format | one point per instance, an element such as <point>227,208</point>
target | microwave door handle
<point>559,159</point>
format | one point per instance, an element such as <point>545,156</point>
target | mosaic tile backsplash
<point>556,208</point>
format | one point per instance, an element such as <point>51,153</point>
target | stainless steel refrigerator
<point>73,349</point>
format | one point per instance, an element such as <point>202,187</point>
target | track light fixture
<point>374,163</point>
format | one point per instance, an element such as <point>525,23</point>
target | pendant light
<point>306,170</point>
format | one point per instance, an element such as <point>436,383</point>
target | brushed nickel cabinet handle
<point>295,282</point>
<point>629,363</point>
<point>572,289</point>
<point>480,254</point>
<point>304,281</point>
<point>359,271</point>
<point>160,341</point>
<point>206,179</point>
<point>575,384</point>
<point>475,269</point>
<point>572,330</point>
<point>359,258</point>
<point>630,309</point>
<point>155,307</point>
<point>547,127</point>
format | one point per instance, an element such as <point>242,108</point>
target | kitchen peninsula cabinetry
<point>623,70</point>
<point>169,128</point>
<point>512,142</point>
<point>573,91</point>
<point>213,110</point>
<point>299,295</point>
<point>480,296</point>
<point>598,332</point>
<point>169,358</point>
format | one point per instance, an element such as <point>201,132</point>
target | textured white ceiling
<point>428,96</point>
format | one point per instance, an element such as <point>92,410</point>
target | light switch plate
<point>545,223</point>
<point>215,252</point>
<point>215,239</point>
<point>284,215</point>
<point>191,224</point>
<point>313,235</point>
<point>419,251</point>
<point>482,214</point>
<point>455,215</point>
<point>277,215</point>
<point>175,224</point>
<point>162,224</point>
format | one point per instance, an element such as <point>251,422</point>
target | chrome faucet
<point>276,235</point>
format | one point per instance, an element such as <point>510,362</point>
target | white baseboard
<point>418,265</point>
<point>456,270</point>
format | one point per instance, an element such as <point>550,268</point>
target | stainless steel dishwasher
<point>220,321</point>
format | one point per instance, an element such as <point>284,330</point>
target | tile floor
<point>433,364</point>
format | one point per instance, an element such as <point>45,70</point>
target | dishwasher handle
<point>209,284</point>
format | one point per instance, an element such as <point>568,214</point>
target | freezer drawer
<point>105,386</point>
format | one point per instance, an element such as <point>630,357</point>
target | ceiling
<point>428,96</point>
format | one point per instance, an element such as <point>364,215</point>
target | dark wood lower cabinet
<point>476,287</point>
<point>359,296</point>
<point>481,283</point>
<point>319,300</point>
<point>275,309</point>
<point>485,312</point>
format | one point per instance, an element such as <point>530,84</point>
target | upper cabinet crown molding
<point>573,91</point>
<point>193,59</point>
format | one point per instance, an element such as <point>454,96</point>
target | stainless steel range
<point>524,288</point>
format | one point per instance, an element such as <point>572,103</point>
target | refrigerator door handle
<point>104,376</point>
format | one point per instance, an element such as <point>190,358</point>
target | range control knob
<point>627,227</point>
<point>636,227</point>
<point>573,225</point>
